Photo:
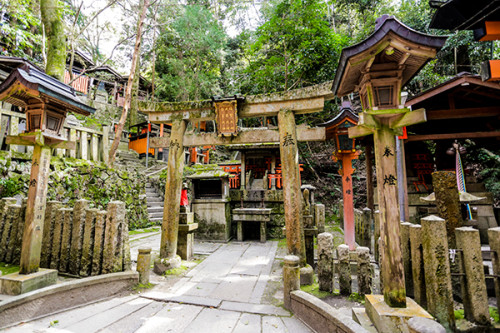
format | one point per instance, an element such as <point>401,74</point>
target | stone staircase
<point>155,205</point>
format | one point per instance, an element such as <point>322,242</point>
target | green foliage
<point>176,271</point>
<point>356,297</point>
<point>313,289</point>
<point>8,268</point>
<point>459,314</point>
<point>494,314</point>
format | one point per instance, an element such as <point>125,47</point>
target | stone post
<point>309,233</point>
<point>437,271</point>
<point>291,278</point>
<point>112,258</point>
<point>173,187</point>
<point>143,265</point>
<point>48,232</point>
<point>8,243</point>
<point>319,216</point>
<point>77,236</point>
<point>72,137</point>
<point>13,131</point>
<point>5,224</point>
<point>292,196</point>
<point>405,252</point>
<point>94,147</point>
<point>35,211</point>
<point>325,262</point>
<point>88,242</point>
<point>84,145</point>
<point>105,144</point>
<point>243,172</point>
<point>4,204</point>
<point>448,202</point>
<point>97,253</point>
<point>364,271</point>
<point>392,263</point>
<point>367,226</point>
<point>56,238</point>
<point>475,286</point>
<point>66,239</point>
<point>417,266</point>
<point>494,239</point>
<point>344,268</point>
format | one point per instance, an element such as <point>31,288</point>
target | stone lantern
<point>377,68</point>
<point>46,101</point>
<point>345,153</point>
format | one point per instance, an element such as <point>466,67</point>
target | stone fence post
<point>325,262</point>
<point>367,227</point>
<point>143,265</point>
<point>494,239</point>
<point>319,216</point>
<point>405,253</point>
<point>344,269</point>
<point>364,271</point>
<point>291,278</point>
<point>376,234</point>
<point>475,295</point>
<point>437,271</point>
<point>417,266</point>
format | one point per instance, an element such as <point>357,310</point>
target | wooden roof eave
<point>391,33</point>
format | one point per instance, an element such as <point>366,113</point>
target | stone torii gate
<point>377,68</point>
<point>226,112</point>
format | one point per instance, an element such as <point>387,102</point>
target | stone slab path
<point>224,293</point>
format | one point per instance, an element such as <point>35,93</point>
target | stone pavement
<point>224,293</point>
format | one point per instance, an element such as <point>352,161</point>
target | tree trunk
<point>56,38</point>
<point>128,91</point>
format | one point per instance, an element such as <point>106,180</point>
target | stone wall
<point>78,241</point>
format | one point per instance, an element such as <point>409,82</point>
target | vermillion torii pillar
<point>45,101</point>
<point>377,68</point>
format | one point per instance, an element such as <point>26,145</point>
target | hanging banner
<point>226,118</point>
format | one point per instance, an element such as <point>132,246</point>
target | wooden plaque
<point>226,118</point>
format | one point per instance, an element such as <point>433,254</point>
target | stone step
<point>155,215</point>
<point>155,209</point>
<point>156,219</point>
<point>155,205</point>
<point>359,315</point>
<point>154,200</point>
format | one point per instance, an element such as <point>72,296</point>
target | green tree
<point>51,12</point>
<point>189,57</point>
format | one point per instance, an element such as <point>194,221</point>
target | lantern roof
<point>393,46</point>
<point>346,113</point>
<point>27,82</point>
<point>465,14</point>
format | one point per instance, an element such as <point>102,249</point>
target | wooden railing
<point>92,145</point>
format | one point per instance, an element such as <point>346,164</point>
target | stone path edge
<point>49,300</point>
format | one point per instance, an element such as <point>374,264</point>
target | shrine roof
<point>345,113</point>
<point>465,14</point>
<point>405,49</point>
<point>45,85</point>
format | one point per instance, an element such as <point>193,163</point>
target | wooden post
<point>369,177</point>
<point>170,225</point>
<point>347,196</point>
<point>243,172</point>
<point>392,263</point>
<point>35,210</point>
<point>291,185</point>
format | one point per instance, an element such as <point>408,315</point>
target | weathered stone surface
<point>468,241</point>
<point>437,271</point>
<point>65,239</point>
<point>417,267</point>
<point>306,275</point>
<point>291,184</point>
<point>56,238</point>
<point>325,261</point>
<point>344,269</point>
<point>127,261</point>
<point>88,242</point>
<point>100,221</point>
<point>424,325</point>
<point>112,259</point>
<point>393,320</point>
<point>48,232</point>
<point>376,235</point>
<point>6,226</point>
<point>16,252</point>
<point>309,233</point>
<point>405,253</point>
<point>162,265</point>
<point>16,284</point>
<point>291,278</point>
<point>494,237</point>
<point>10,228</point>
<point>4,203</point>
<point>143,265</point>
<point>319,216</point>
<point>77,236</point>
<point>448,202</point>
<point>364,271</point>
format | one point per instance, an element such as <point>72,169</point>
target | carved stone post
<point>405,252</point>
<point>344,269</point>
<point>173,187</point>
<point>364,271</point>
<point>291,278</point>
<point>291,185</point>
<point>417,266</point>
<point>325,262</point>
<point>494,239</point>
